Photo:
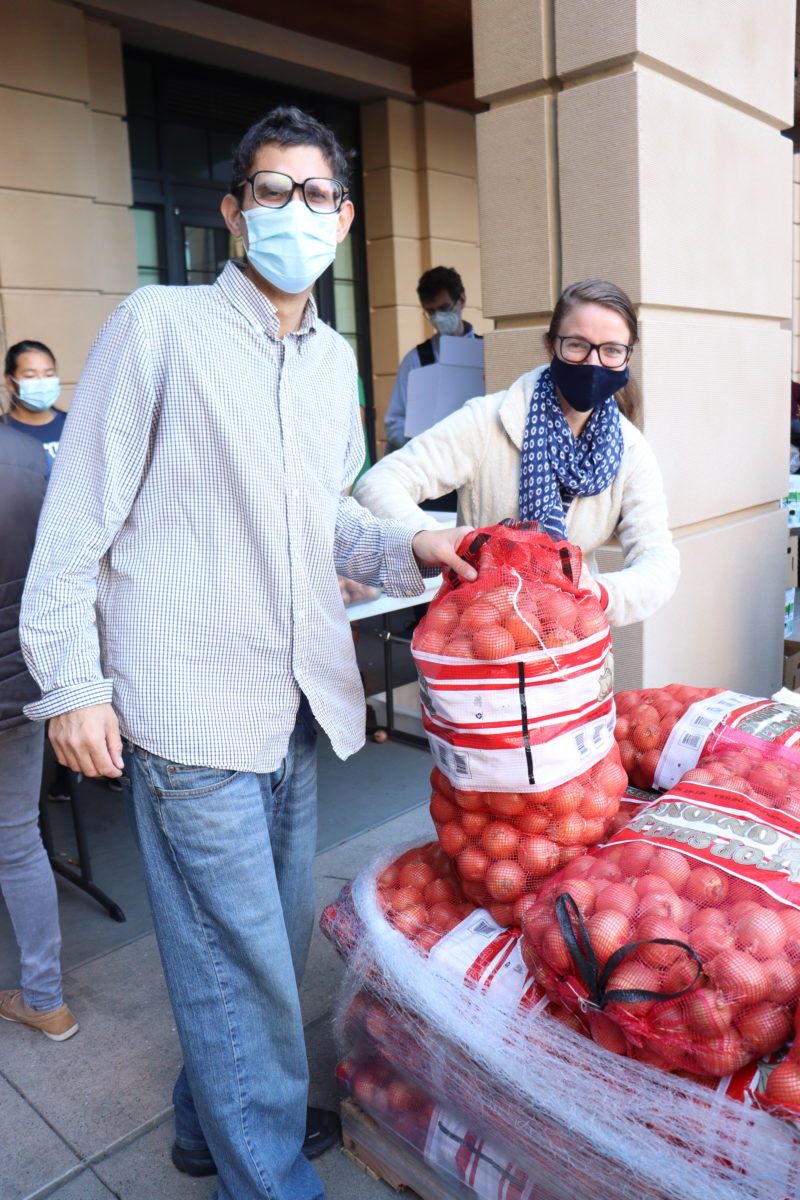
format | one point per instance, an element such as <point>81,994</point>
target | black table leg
<point>82,878</point>
<point>397,735</point>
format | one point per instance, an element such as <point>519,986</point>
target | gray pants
<point>26,879</point>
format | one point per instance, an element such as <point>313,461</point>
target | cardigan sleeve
<point>443,458</point>
<point>651,563</point>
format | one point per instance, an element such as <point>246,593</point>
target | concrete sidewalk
<point>90,1119</point>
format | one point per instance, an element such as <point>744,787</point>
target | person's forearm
<point>376,552</point>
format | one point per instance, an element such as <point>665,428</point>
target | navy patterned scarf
<point>556,464</point>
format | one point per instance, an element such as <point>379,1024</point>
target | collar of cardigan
<point>513,411</point>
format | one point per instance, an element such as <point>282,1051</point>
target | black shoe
<point>323,1128</point>
<point>322,1131</point>
<point>193,1162</point>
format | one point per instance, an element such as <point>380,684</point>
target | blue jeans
<point>26,878</point>
<point>228,859</point>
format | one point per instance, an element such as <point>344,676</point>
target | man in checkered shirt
<point>183,620</point>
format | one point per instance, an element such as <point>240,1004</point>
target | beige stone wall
<point>421,209</point>
<point>67,252</point>
<point>642,144</point>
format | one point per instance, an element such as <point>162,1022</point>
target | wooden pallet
<point>384,1156</point>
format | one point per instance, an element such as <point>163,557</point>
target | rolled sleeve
<point>376,552</point>
<point>67,699</point>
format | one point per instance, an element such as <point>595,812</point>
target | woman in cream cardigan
<point>559,447</point>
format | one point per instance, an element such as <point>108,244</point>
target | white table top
<point>385,604</point>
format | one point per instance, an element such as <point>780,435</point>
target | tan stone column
<point>67,252</point>
<point>420,196</point>
<point>640,142</point>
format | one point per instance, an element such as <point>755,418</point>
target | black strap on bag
<point>425,352</point>
<point>579,944</point>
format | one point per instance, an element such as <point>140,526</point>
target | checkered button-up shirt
<point>185,566</point>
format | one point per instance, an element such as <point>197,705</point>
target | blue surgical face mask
<point>584,386</point>
<point>290,246</point>
<point>38,394</point>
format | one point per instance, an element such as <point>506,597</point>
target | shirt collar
<point>257,309</point>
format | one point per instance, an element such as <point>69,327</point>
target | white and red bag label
<point>755,721</point>
<point>726,830</point>
<point>452,1148</point>
<point>488,958</point>
<point>523,724</point>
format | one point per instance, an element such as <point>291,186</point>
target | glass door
<point>207,245</point>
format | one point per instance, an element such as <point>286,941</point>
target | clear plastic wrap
<point>576,1119</point>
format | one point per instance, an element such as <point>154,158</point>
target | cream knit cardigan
<point>477,450</point>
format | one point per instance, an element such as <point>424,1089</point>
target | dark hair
<point>13,354</point>
<point>440,279</point>
<point>608,295</point>
<point>288,126</point>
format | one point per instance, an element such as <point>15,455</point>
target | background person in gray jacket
<point>26,879</point>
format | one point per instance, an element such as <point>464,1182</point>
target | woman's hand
<point>588,583</point>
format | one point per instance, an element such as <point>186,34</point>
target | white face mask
<point>37,395</point>
<point>447,323</point>
<point>290,246</point>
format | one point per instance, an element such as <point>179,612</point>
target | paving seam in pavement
<point>100,1155</point>
<point>67,1175</point>
<point>48,1188</point>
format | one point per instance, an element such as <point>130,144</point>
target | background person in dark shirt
<point>26,879</point>
<point>33,386</point>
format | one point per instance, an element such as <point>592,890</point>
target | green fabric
<point>367,463</point>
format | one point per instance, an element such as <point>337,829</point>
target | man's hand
<point>438,546</point>
<point>88,740</point>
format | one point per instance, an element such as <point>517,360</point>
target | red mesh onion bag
<point>419,893</point>
<point>515,676</point>
<point>679,940</point>
<point>645,723</point>
<point>779,1092</point>
<point>770,772</point>
<point>663,732</point>
<point>388,1096</point>
<point>632,802</point>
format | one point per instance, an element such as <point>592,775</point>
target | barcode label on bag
<point>690,733</point>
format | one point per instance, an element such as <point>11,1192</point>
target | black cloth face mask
<point>583,386</point>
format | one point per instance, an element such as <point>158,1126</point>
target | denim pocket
<point>178,781</point>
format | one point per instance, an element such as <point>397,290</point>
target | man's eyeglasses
<point>442,308</point>
<point>273,189</point>
<point>578,349</point>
